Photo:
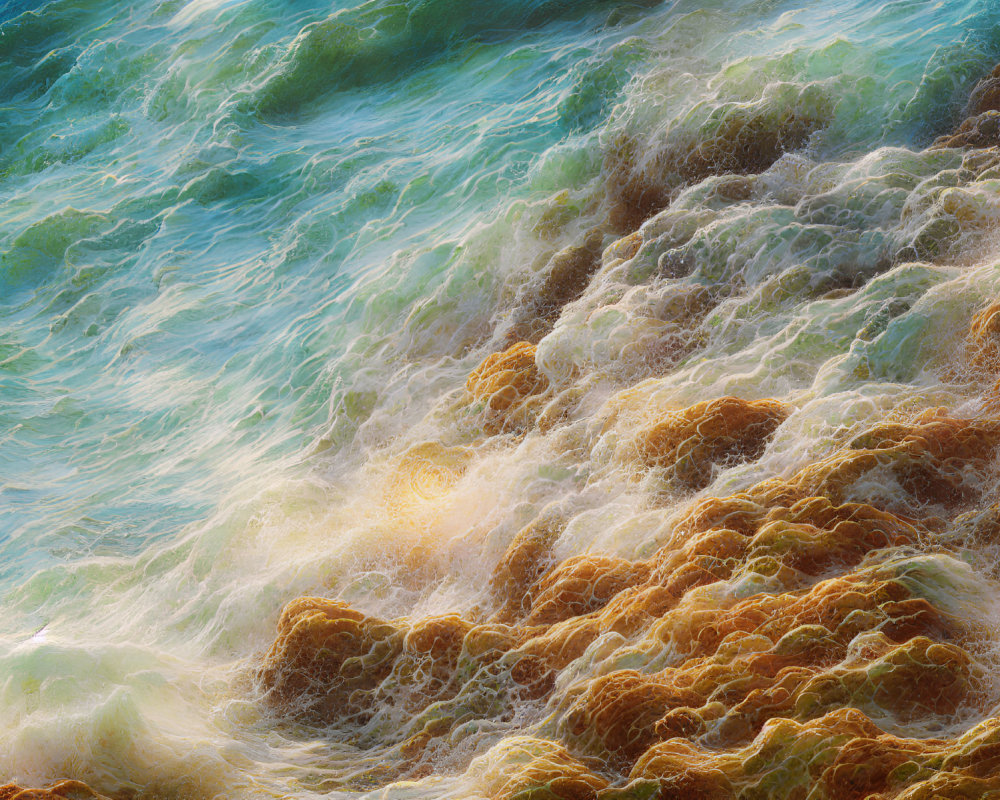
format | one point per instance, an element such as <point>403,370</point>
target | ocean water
<point>251,252</point>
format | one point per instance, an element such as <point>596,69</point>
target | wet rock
<point>983,341</point>
<point>981,126</point>
<point>527,558</point>
<point>747,656</point>
<point>328,659</point>
<point>582,585</point>
<point>982,130</point>
<point>565,278</point>
<point>691,444</point>
<point>535,769</point>
<point>503,384</point>
<point>986,96</point>
<point>935,460</point>
<point>641,179</point>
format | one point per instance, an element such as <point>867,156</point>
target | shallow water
<point>251,250</point>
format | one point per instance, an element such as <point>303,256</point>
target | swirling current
<point>508,400</point>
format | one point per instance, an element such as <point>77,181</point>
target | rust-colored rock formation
<point>779,656</point>
<point>329,662</point>
<point>767,648</point>
<point>690,444</point>
<point>332,665</point>
<point>798,639</point>
<point>793,640</point>
<point>582,584</point>
<point>525,561</point>
<point>503,384</point>
<point>328,659</point>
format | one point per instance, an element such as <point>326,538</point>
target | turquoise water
<point>250,250</point>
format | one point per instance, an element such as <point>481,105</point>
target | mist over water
<point>410,305</point>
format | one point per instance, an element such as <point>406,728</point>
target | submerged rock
<point>740,138</point>
<point>565,277</point>
<point>981,126</point>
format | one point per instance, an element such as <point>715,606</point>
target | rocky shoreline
<point>771,694</point>
<point>761,650</point>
